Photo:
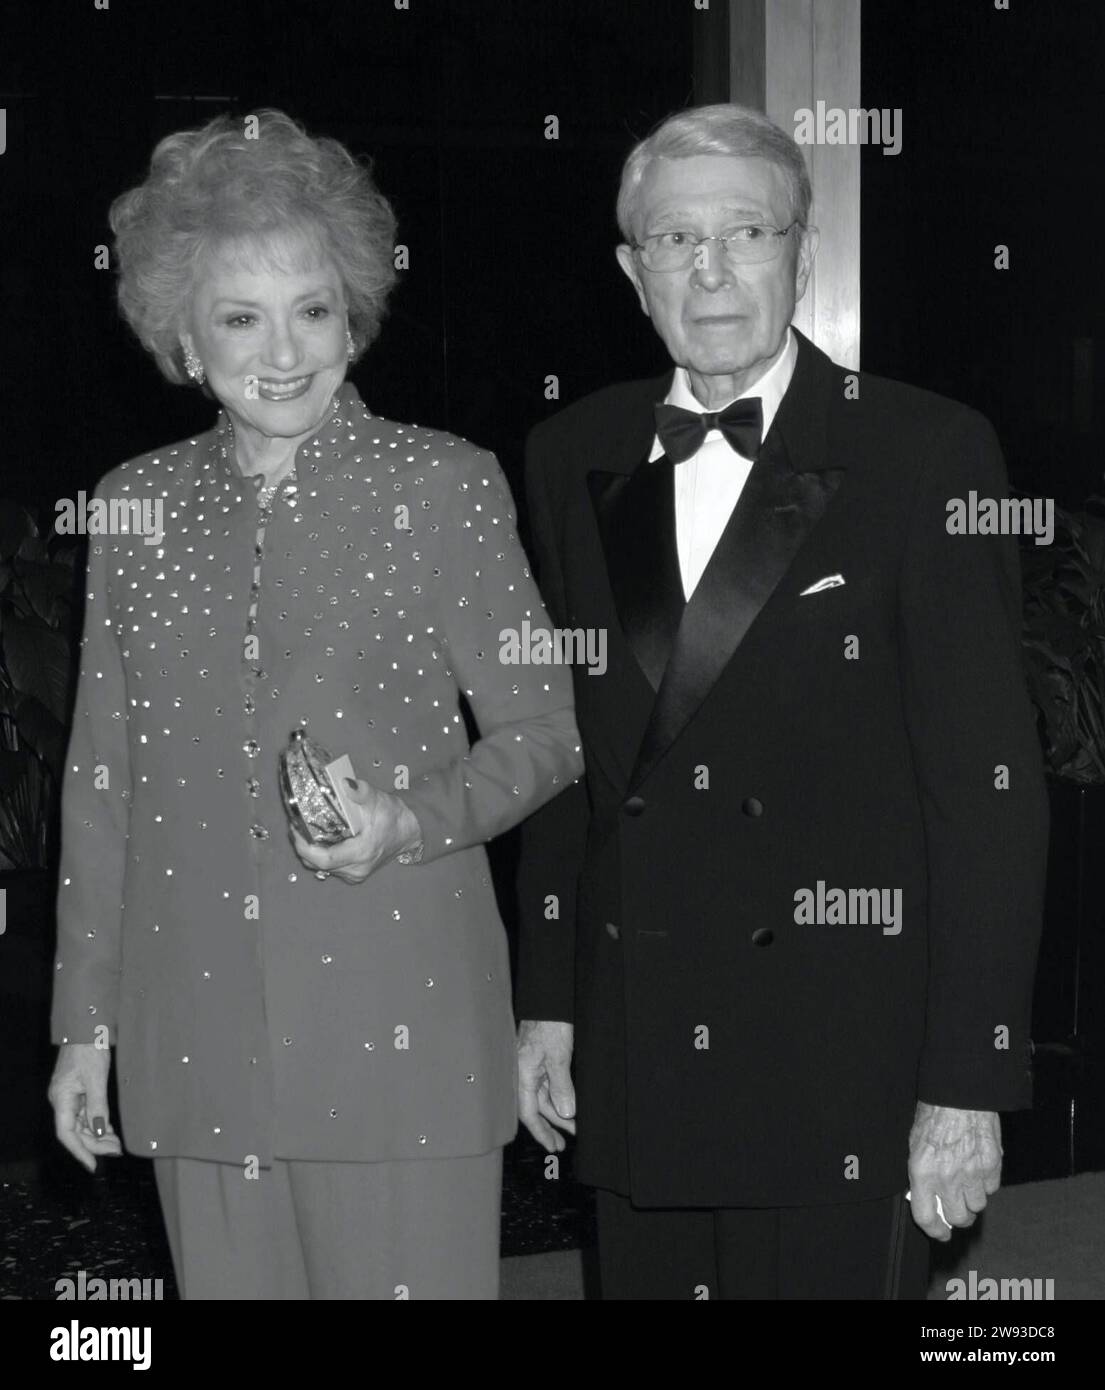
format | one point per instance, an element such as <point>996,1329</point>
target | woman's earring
<point>350,346</point>
<point>193,366</point>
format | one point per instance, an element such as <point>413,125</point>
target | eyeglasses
<point>749,244</point>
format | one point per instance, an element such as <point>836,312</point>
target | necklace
<point>266,492</point>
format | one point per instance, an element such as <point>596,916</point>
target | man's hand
<point>388,826</point>
<point>954,1155</point>
<point>78,1093</point>
<point>546,1096</point>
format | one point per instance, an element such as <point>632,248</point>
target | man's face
<point>717,318</point>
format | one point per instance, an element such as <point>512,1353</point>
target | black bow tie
<point>682,432</point>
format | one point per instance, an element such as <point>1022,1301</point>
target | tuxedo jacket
<point>754,749</point>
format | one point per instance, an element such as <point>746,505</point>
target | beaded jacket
<point>255,1010</point>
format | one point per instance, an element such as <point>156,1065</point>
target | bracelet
<point>411,856</point>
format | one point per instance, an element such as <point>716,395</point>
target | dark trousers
<point>857,1251</point>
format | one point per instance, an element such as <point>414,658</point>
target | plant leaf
<point>13,768</point>
<point>38,662</point>
<point>16,524</point>
<point>42,732</point>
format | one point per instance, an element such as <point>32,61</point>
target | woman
<point>315,1045</point>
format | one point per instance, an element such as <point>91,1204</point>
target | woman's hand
<point>78,1093</point>
<point>388,827</point>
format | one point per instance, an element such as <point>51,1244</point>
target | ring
<point>322,873</point>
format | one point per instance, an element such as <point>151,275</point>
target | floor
<point>56,1220</point>
<point>1045,1230</point>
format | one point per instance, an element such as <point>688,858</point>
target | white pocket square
<point>831,581</point>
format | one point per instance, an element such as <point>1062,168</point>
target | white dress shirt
<point>709,483</point>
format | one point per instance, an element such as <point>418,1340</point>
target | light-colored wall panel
<point>809,51</point>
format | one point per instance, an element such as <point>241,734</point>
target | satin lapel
<point>785,496</point>
<point>616,445</point>
<point>636,519</point>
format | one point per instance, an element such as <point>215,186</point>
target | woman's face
<point>271,341</point>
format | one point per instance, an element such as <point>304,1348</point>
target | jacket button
<point>634,805</point>
<point>752,806</point>
<point>763,936</point>
<point>612,931</point>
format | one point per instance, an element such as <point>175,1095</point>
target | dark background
<point>511,236</point>
<point>1004,143</point>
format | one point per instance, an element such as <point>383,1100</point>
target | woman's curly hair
<point>247,182</point>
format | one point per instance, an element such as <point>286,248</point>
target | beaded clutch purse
<point>310,797</point>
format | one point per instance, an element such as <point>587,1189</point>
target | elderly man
<point>790,922</point>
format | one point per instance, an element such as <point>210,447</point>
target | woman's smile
<point>271,390</point>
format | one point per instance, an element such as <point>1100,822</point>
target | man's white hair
<point>723,128</point>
